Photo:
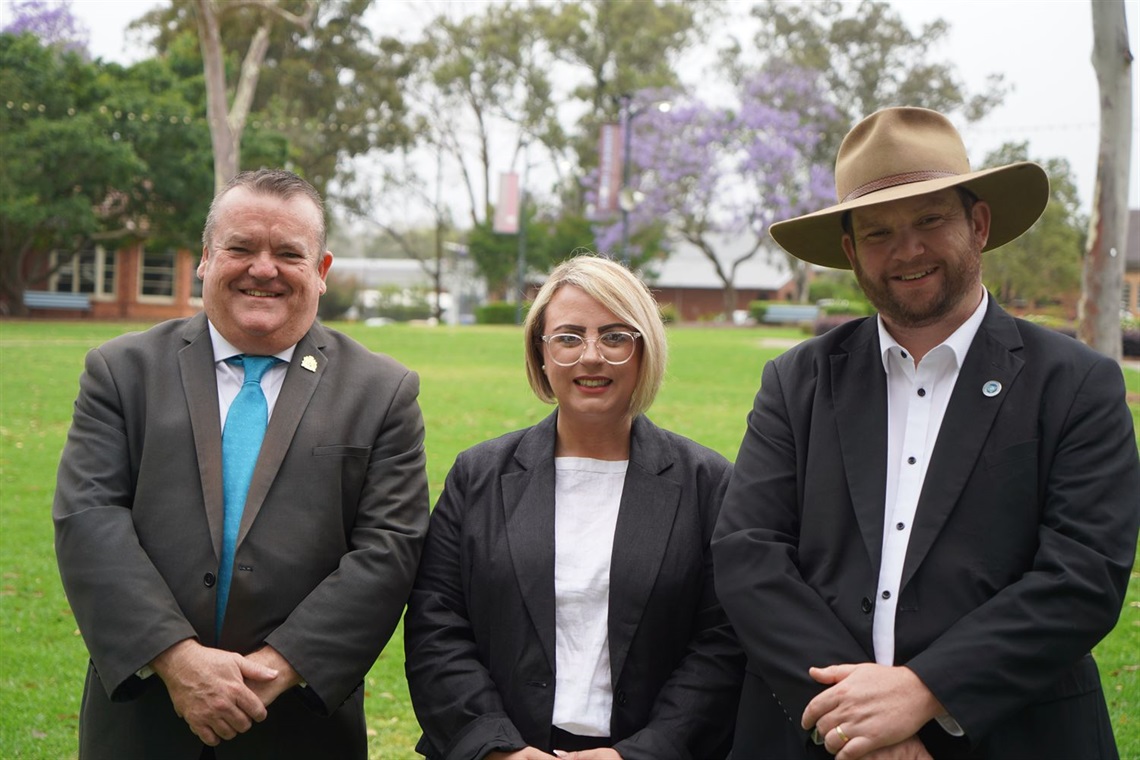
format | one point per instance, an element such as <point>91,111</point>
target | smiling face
<point>591,390</point>
<point>263,270</point>
<point>919,259</point>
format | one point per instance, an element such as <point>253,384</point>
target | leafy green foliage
<point>98,151</point>
<point>1043,266</point>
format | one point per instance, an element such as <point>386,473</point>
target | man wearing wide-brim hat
<point>933,512</point>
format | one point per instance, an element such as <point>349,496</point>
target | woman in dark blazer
<point>565,601</point>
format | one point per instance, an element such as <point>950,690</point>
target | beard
<point>960,278</point>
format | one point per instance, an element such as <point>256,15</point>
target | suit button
<point>866,605</point>
<point>620,696</point>
<point>208,580</point>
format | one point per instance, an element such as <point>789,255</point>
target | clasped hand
<point>221,694</point>
<point>878,708</point>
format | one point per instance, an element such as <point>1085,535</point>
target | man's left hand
<point>868,706</point>
<point>286,678</point>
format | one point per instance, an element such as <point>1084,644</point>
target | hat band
<point>892,181</point>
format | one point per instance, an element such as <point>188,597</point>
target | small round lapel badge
<point>991,389</point>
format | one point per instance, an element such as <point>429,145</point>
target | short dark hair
<point>275,182</point>
<point>964,194</point>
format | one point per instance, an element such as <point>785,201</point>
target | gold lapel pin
<point>309,363</point>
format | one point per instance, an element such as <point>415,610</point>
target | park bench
<point>790,313</point>
<point>47,299</point>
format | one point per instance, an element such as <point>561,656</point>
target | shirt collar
<point>958,342</point>
<point>223,349</point>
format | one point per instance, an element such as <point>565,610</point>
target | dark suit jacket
<point>479,633</point>
<point>1019,558</point>
<point>327,550</point>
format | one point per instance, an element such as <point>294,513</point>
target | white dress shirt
<point>587,495</point>
<point>917,397</point>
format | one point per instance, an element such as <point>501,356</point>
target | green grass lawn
<point>473,388</point>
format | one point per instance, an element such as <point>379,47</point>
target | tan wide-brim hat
<point>902,152</point>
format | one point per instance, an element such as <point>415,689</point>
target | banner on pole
<point>507,210</point>
<point>609,169</point>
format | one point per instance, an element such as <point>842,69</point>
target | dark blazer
<point>1019,558</point>
<point>327,550</point>
<point>479,631</point>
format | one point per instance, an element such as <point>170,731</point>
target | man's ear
<point>980,216</point>
<point>849,249</point>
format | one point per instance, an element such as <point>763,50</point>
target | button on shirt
<point>916,403</point>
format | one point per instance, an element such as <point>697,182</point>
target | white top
<point>230,376</point>
<point>587,494</point>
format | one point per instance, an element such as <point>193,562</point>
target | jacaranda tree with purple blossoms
<point>712,171</point>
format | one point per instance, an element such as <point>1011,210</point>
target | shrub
<point>757,310</point>
<point>853,308</point>
<point>498,313</point>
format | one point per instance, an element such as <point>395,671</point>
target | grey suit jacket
<point>479,632</point>
<point>1020,552</point>
<point>327,550</point>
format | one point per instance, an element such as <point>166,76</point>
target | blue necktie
<point>241,442</point>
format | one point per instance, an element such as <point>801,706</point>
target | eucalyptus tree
<point>310,71</point>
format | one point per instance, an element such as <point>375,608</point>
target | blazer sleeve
<point>694,712</point>
<point>455,700</point>
<point>334,635</point>
<point>122,604</point>
<point>783,623</point>
<point>1002,654</point>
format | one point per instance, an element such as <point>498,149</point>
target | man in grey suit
<point>320,558</point>
<point>933,513</point>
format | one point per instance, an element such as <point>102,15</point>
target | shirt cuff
<point>950,726</point>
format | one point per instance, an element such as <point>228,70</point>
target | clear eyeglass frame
<point>604,344</point>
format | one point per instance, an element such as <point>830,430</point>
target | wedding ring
<point>843,736</point>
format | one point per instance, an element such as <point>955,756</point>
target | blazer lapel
<point>528,506</point>
<point>301,381</point>
<point>645,521</point>
<point>965,427</point>
<point>200,386</point>
<point>859,394</point>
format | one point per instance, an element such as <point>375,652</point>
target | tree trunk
<point>226,156</point>
<point>227,122</point>
<point>1103,273</point>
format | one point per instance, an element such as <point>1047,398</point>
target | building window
<point>91,270</point>
<point>156,277</point>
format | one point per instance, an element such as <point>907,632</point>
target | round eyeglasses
<point>567,349</point>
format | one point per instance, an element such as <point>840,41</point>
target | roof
<point>688,267</point>
<point>379,273</point>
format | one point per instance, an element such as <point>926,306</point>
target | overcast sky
<point>1042,47</point>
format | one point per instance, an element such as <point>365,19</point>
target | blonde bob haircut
<point>617,289</point>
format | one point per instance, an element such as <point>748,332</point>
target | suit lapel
<point>528,505</point>
<point>966,425</point>
<point>200,386</point>
<point>292,402</point>
<point>859,394</point>
<point>645,521</point>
